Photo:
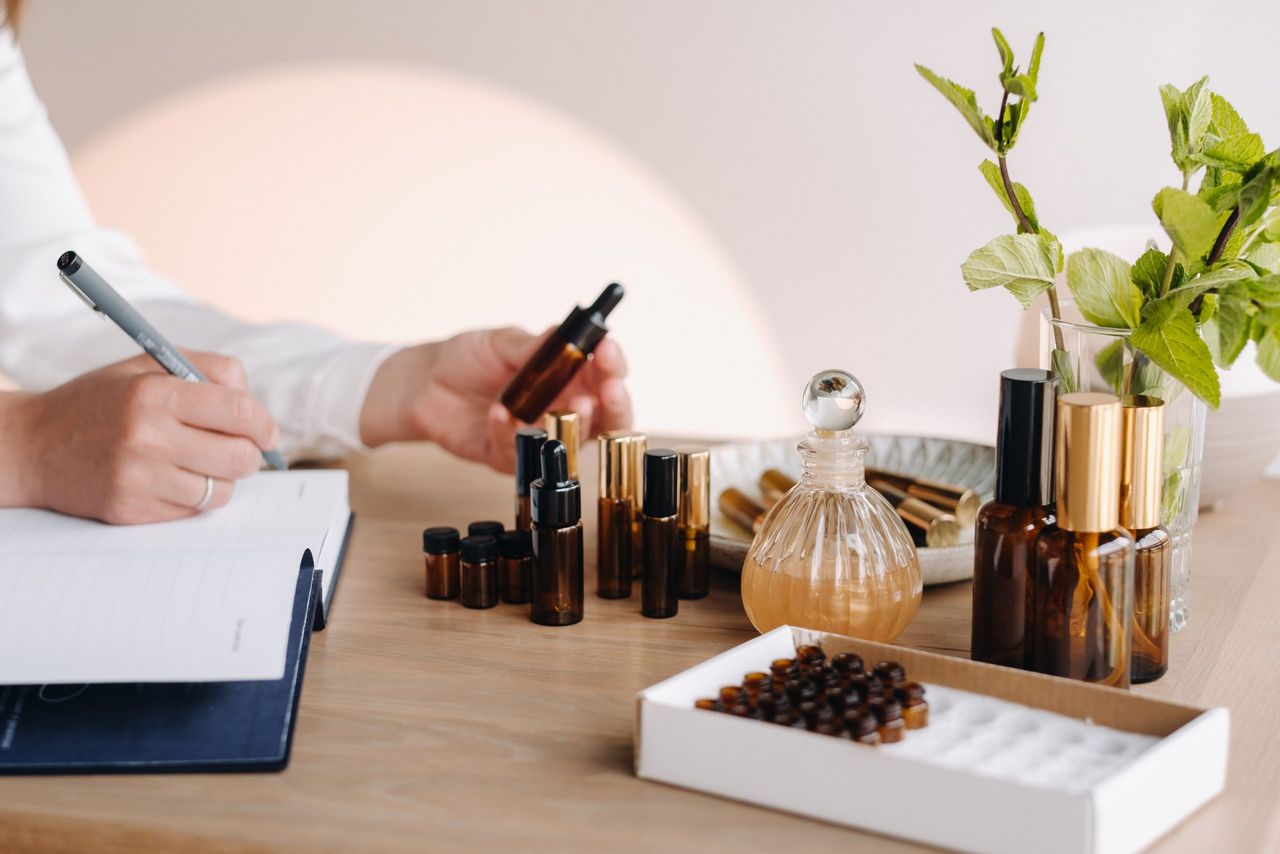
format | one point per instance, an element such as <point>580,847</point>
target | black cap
<point>485,529</point>
<point>439,541</point>
<point>557,500</point>
<point>515,544</point>
<point>585,328</point>
<point>661,482</point>
<point>1024,442</point>
<point>478,549</point>
<point>68,262</point>
<point>528,462</point>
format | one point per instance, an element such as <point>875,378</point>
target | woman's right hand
<point>129,443</point>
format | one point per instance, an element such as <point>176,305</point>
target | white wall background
<point>844,188</point>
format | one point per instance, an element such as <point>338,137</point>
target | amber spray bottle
<point>1007,526</point>
<point>528,469</point>
<point>1083,582</point>
<point>1141,482</point>
<point>660,580</point>
<point>557,542</point>
<point>639,444</point>
<point>554,364</point>
<point>694,520</point>
<point>613,524</point>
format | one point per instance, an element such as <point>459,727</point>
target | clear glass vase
<point>1102,359</point>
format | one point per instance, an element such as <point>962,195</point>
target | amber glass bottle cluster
<point>487,566</point>
<point>839,697</point>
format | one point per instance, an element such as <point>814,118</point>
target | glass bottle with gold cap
<point>613,524</point>
<point>694,518</point>
<point>832,554</point>
<point>1141,480</point>
<point>1083,583</point>
<point>562,425</point>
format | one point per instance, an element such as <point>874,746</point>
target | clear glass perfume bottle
<point>832,554</point>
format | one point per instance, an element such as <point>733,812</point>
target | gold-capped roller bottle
<point>639,444</point>
<point>660,580</point>
<point>562,425</point>
<point>554,363</point>
<point>528,469</point>
<point>742,510</point>
<point>959,501</point>
<point>557,542</point>
<point>1141,480</point>
<point>1083,583</point>
<point>613,524</point>
<point>694,519</point>
<point>929,526</point>
<point>775,483</point>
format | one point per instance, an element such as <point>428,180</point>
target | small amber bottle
<point>783,670</point>
<point>1141,481</point>
<point>848,664</point>
<point>890,673</point>
<point>1007,527</point>
<point>479,572</point>
<point>660,580</point>
<point>889,717</point>
<point>515,579</point>
<point>440,547</point>
<point>639,444</point>
<point>742,510</point>
<point>557,542</point>
<point>528,469</point>
<point>485,529</point>
<point>556,362</point>
<point>862,726</point>
<point>563,426</point>
<point>915,711</point>
<point>694,519</point>
<point>1083,583</point>
<point>613,524</point>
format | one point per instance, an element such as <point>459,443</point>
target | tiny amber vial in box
<point>847,664</point>
<point>889,717</point>
<point>783,670</point>
<point>810,656</point>
<point>890,673</point>
<point>915,711</point>
<point>440,548</point>
<point>862,726</point>
<point>479,572</point>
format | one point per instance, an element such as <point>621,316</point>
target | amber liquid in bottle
<point>660,580</point>
<point>695,562</point>
<point>479,584</point>
<point>613,548</point>
<point>542,378</point>
<point>1004,553</point>
<point>557,576</point>
<point>524,513</point>
<point>442,576</point>
<point>1151,567</point>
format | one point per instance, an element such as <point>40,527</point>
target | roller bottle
<point>528,469</point>
<point>694,519</point>
<point>660,579</point>
<point>1141,483</point>
<point>615,514</point>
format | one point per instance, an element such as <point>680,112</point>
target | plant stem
<point>1167,278</point>
<point>1055,310</point>
<point>1223,236</point>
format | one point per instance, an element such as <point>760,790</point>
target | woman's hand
<point>129,443</point>
<point>447,392</point>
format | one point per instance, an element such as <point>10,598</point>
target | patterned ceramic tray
<point>962,463</point>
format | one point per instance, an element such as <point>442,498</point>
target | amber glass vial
<point>515,571</point>
<point>556,362</point>
<point>1007,526</point>
<point>528,469</point>
<point>1141,482</point>
<point>743,510</point>
<point>660,580</point>
<point>639,444</point>
<point>488,528</point>
<point>479,572</point>
<point>613,524</point>
<point>557,596</point>
<point>440,547</point>
<point>915,710</point>
<point>694,519</point>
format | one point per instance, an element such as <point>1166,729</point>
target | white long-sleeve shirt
<point>312,381</point>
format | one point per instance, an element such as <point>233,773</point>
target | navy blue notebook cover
<point>160,727</point>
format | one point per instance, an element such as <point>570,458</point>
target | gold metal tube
<point>1141,468</point>
<point>563,425</point>
<point>928,525</point>
<point>774,484</point>
<point>959,501</point>
<point>742,510</point>
<point>1087,461</point>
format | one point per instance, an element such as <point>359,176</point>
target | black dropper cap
<point>485,529</point>
<point>556,500</point>
<point>528,460</point>
<point>1024,443</point>
<point>661,482</point>
<point>440,541</point>
<point>515,544</point>
<point>479,549</point>
<point>584,328</point>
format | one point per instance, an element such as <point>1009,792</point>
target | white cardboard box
<point>954,807</point>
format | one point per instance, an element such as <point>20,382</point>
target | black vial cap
<point>661,482</point>
<point>440,541</point>
<point>1024,442</point>
<point>479,549</point>
<point>68,262</point>
<point>528,460</point>
<point>485,529</point>
<point>515,544</point>
<point>556,499</point>
<point>584,328</point>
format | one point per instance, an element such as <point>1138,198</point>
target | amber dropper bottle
<point>1007,526</point>
<point>1141,480</point>
<point>557,542</point>
<point>694,519</point>
<point>613,524</point>
<point>1083,582</point>
<point>528,469</point>
<point>554,364</point>
<point>660,580</point>
<point>639,444</point>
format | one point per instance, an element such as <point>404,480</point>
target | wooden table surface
<point>427,726</point>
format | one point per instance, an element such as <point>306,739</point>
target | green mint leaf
<point>1169,339</point>
<point>1014,113</point>
<point>1199,110</point>
<point>1110,364</point>
<point>1226,328</point>
<point>1255,194</point>
<point>1236,154</point>
<point>1033,67</point>
<point>1220,197</point>
<point>1061,361</point>
<point>1269,353</point>
<point>991,172</point>
<point>1226,121</point>
<point>1176,116</point>
<point>1223,274</point>
<point>1266,293</point>
<point>1265,258</point>
<point>1148,272</point>
<point>1021,85</point>
<point>1103,289</point>
<point>1006,52</point>
<point>963,100</point>
<point>1023,264</point>
<point>1190,223</point>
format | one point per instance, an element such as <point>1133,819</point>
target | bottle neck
<point>833,459</point>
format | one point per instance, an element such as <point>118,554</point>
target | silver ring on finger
<point>208,494</point>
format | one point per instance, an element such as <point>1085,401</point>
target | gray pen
<point>104,299</point>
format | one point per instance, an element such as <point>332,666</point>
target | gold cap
<point>695,488</point>
<point>639,444</point>
<point>563,425</point>
<point>617,466</point>
<point>938,528</point>
<point>774,484</point>
<point>1087,436</point>
<point>1142,467</point>
<point>741,509</point>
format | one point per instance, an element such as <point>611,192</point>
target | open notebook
<point>204,599</point>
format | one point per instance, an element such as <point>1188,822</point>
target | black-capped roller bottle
<point>1141,484</point>
<point>557,542</point>
<point>1007,526</point>
<point>529,442</point>
<point>660,578</point>
<point>554,363</point>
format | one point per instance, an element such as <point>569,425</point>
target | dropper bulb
<point>555,463</point>
<point>608,299</point>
